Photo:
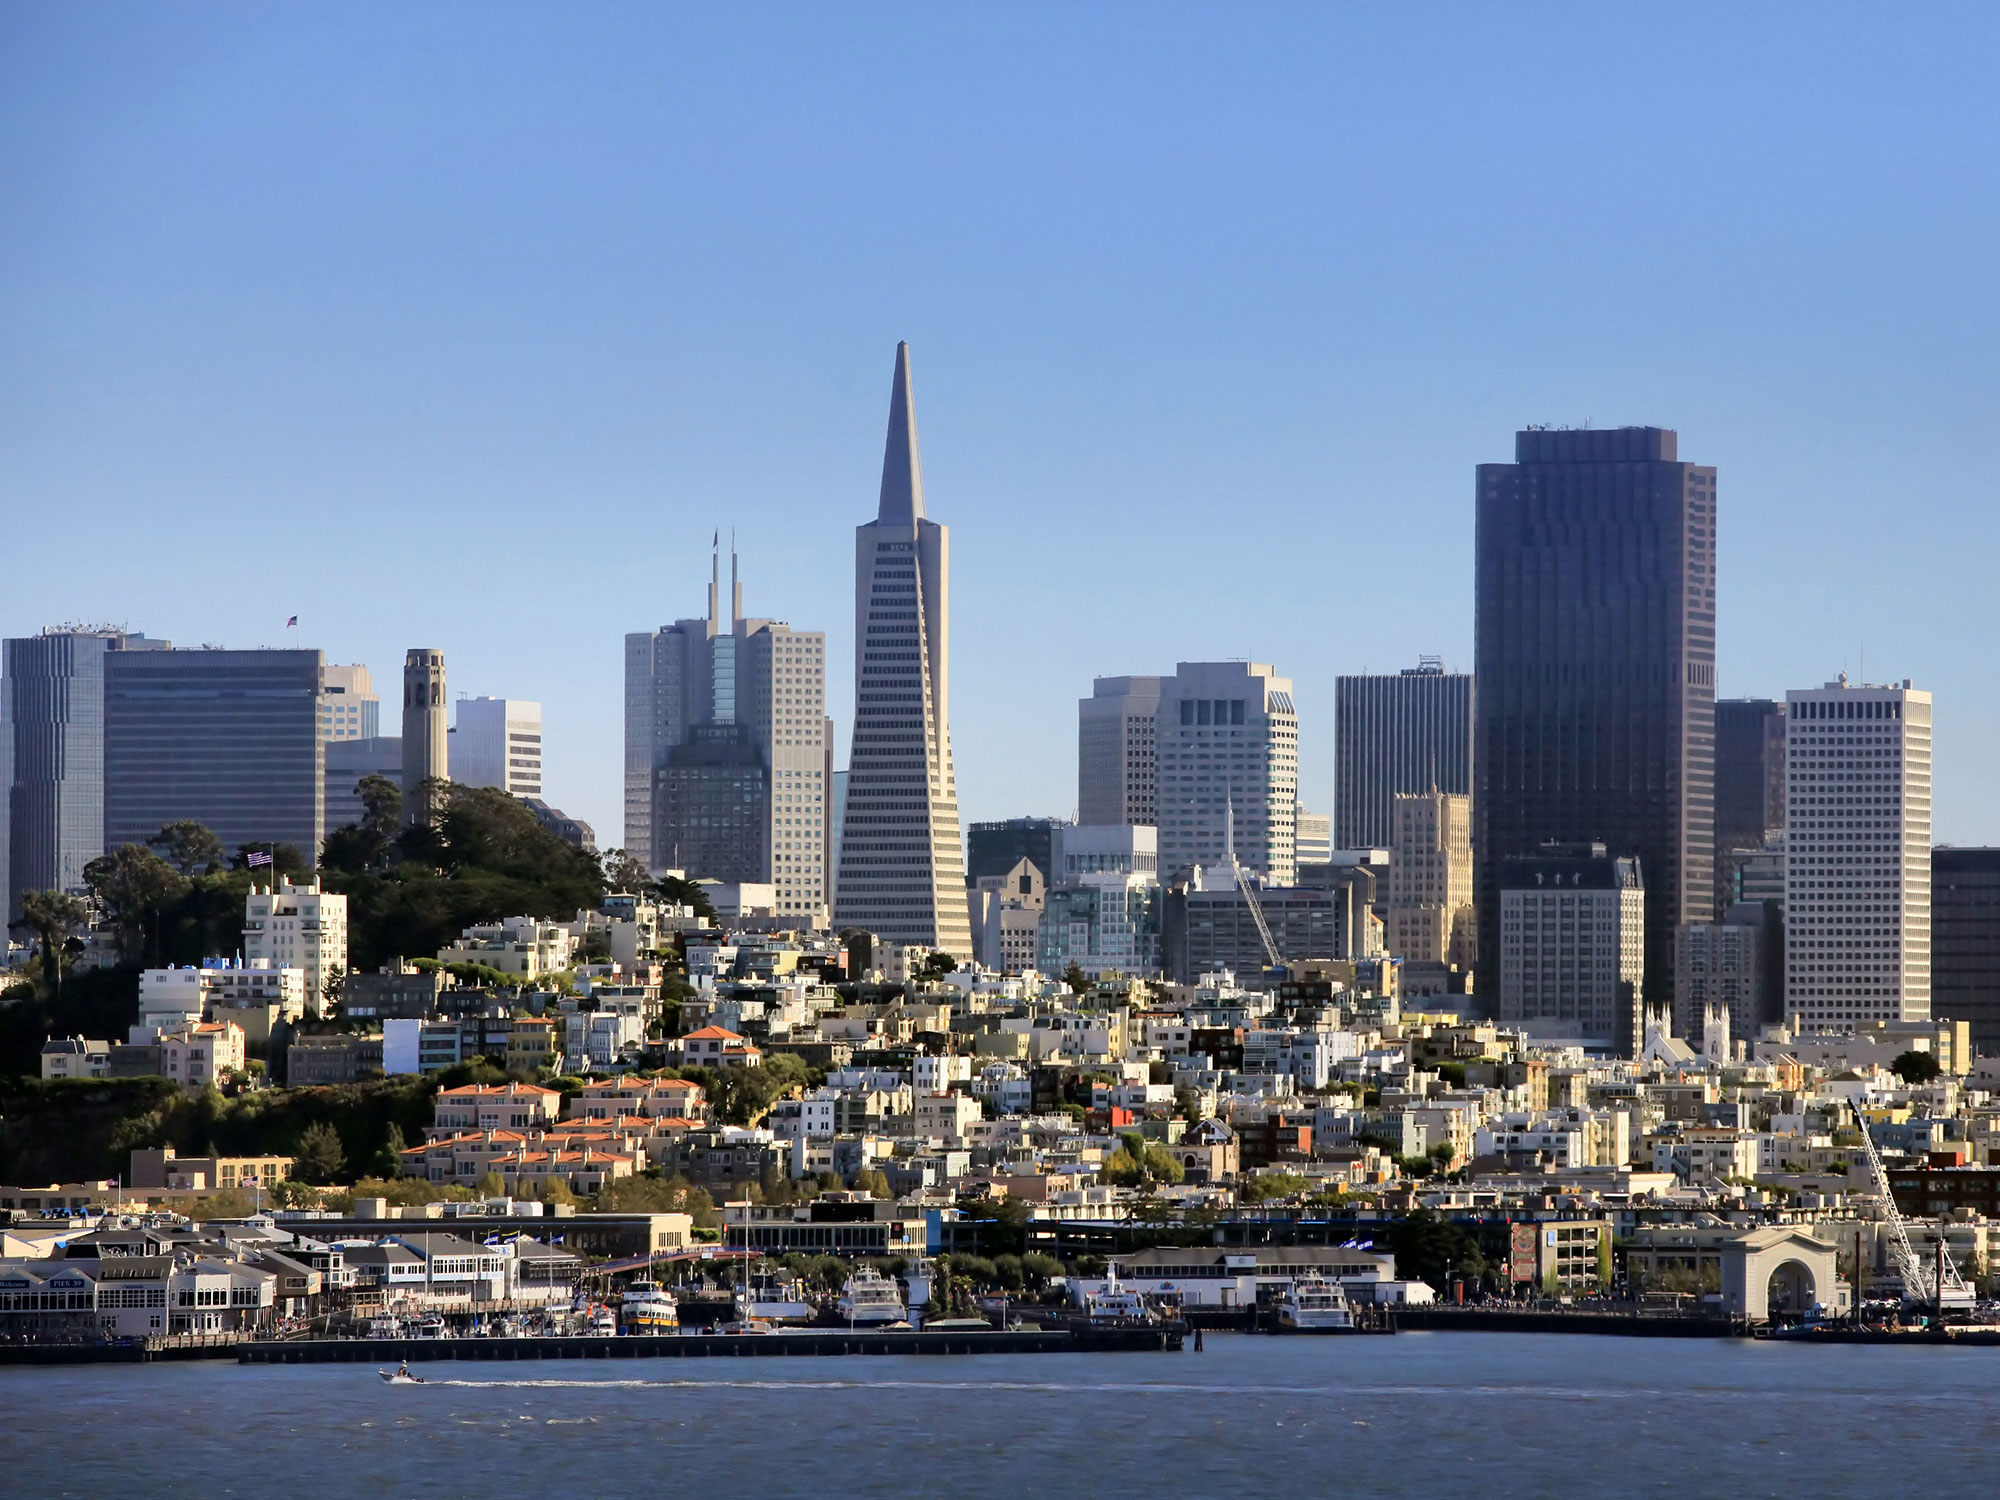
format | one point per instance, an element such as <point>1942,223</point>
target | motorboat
<point>400,1377</point>
<point>603,1323</point>
<point>746,1326</point>
<point>871,1299</point>
<point>648,1308</point>
<point>1315,1305</point>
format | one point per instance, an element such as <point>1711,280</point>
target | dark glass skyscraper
<point>1410,733</point>
<point>1595,658</point>
<point>1965,942</point>
<point>54,718</point>
<point>226,738</point>
<point>1749,777</point>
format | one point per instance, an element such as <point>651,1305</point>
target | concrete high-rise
<point>669,688</point>
<point>1749,779</point>
<point>1228,745</point>
<point>1430,878</point>
<point>426,748</point>
<point>497,742</point>
<point>1858,854</point>
<point>1595,662</point>
<point>230,739</point>
<point>348,707</point>
<point>1403,734</point>
<point>1570,949</point>
<point>902,861</point>
<point>1117,763</point>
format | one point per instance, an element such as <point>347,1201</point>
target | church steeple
<point>902,473</point>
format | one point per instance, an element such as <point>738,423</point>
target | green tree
<point>190,847</point>
<point>319,1157</point>
<point>675,890</point>
<point>1039,1270</point>
<point>1075,978</point>
<point>1265,1186</point>
<point>490,1186</point>
<point>134,888</point>
<point>1915,1067</point>
<point>393,1147</point>
<point>50,915</point>
<point>936,966</point>
<point>872,1182</point>
<point>622,872</point>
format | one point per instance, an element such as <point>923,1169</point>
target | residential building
<point>995,848</point>
<point>426,742</point>
<point>1965,942</point>
<point>160,1167</point>
<point>718,1047</point>
<point>523,946</point>
<point>1229,767</point>
<point>497,742</point>
<point>1572,947</point>
<point>1117,760</point>
<point>300,927</point>
<point>199,1056</point>
<point>572,831</point>
<point>1407,732</point>
<point>229,739</point>
<point>496,1106</point>
<point>1858,854</point>
<point>1595,658</point>
<point>75,1057</point>
<point>901,860</point>
<point>314,1060</point>
<point>348,706</point>
<point>1430,878</point>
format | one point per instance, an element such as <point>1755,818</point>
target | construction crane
<point>1919,1283</point>
<point>1243,884</point>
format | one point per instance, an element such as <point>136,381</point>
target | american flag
<point>255,858</point>
<point>291,622</point>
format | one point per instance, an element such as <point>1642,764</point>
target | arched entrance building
<point>1781,1272</point>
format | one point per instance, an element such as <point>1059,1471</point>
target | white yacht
<point>871,1299</point>
<point>1315,1305</point>
<point>649,1308</point>
<point>775,1300</point>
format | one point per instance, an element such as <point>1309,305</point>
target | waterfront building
<point>1572,947</point>
<point>1229,764</point>
<point>497,742</point>
<point>902,861</point>
<point>1430,879</point>
<point>348,706</point>
<point>1406,732</point>
<point>1858,854</point>
<point>1965,942</point>
<point>228,739</point>
<point>1595,659</point>
<point>426,746</point>
<point>298,926</point>
<point>1117,764</point>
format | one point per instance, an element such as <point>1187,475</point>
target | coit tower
<point>424,743</point>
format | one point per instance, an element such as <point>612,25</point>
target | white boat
<point>649,1308</point>
<point>871,1299</point>
<point>779,1300</point>
<point>399,1377</point>
<point>1315,1305</point>
<point>1116,1307</point>
<point>603,1323</point>
<point>746,1326</point>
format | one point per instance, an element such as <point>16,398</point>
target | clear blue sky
<point>465,325</point>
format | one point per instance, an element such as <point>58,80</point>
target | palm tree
<point>51,915</point>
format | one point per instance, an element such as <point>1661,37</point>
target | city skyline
<point>1138,352</point>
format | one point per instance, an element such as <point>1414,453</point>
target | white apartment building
<point>1430,878</point>
<point>196,1056</point>
<point>497,742</point>
<point>523,946</point>
<point>1228,744</point>
<point>298,927</point>
<point>348,706</point>
<point>1858,854</point>
<point>1573,947</point>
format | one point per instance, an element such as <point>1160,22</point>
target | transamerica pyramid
<point>901,869</point>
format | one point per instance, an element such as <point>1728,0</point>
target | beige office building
<point>1430,878</point>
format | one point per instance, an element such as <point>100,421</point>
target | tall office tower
<point>1965,942</point>
<point>52,710</point>
<point>995,848</point>
<point>902,863</point>
<point>1571,948</point>
<point>1312,840</point>
<point>1228,744</point>
<point>1749,779</point>
<point>348,763</point>
<point>1595,658</point>
<point>1117,765</point>
<point>229,739</point>
<point>733,716</point>
<point>1408,733</point>
<point>348,707</point>
<point>497,742</point>
<point>1858,854</point>
<point>1430,878</point>
<point>669,680</point>
<point>426,750</point>
<point>1721,964</point>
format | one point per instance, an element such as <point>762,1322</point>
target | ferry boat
<point>776,1300</point>
<point>649,1308</point>
<point>1315,1305</point>
<point>871,1299</point>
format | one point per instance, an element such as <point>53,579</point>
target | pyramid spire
<point>902,474</point>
